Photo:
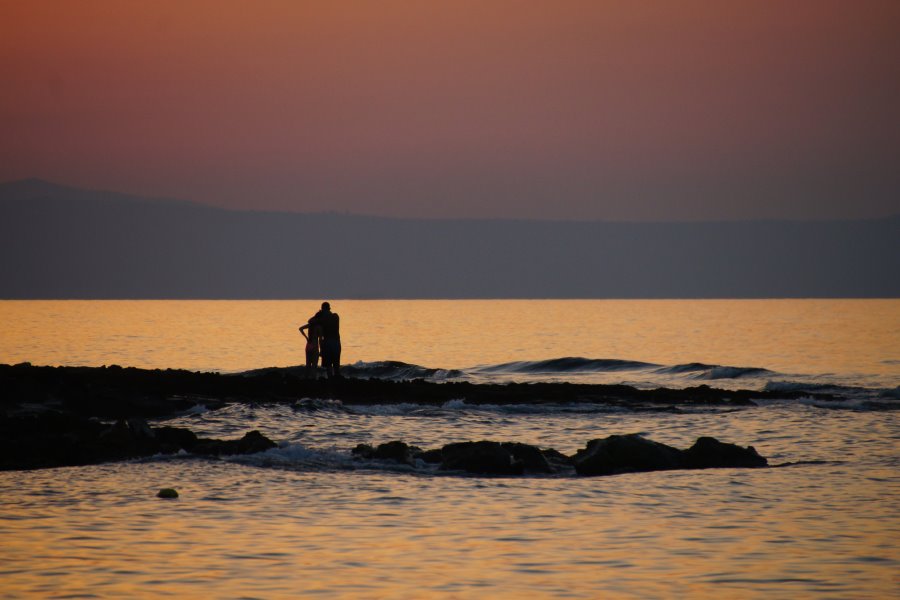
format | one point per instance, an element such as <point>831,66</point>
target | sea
<point>307,519</point>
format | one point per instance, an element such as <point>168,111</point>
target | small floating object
<point>167,493</point>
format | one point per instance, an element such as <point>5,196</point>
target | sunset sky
<point>662,110</point>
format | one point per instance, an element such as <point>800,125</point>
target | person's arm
<point>303,333</point>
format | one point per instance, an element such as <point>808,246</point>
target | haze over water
<point>307,518</point>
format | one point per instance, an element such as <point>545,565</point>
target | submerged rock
<point>626,454</point>
<point>167,493</point>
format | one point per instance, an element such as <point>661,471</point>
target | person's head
<point>326,307</point>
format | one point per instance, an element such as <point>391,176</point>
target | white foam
<point>319,404</point>
<point>292,454</point>
<point>387,410</point>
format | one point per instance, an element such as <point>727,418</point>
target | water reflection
<point>242,529</point>
<point>305,519</point>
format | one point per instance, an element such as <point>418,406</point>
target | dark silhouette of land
<point>120,393</point>
<point>54,416</point>
<point>61,242</point>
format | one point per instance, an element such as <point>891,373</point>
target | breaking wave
<point>294,456</point>
<point>704,371</point>
<point>639,374</point>
<point>460,406</point>
<point>394,369</point>
<point>450,408</point>
<point>574,365</point>
<point>568,364</point>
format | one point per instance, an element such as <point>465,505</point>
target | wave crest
<point>569,364</point>
<point>395,369</point>
<point>704,371</point>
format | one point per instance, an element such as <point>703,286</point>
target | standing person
<point>330,326</point>
<point>312,347</point>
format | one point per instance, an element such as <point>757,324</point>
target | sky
<point>586,110</point>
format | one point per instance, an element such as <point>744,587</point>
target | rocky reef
<point>118,393</point>
<point>612,455</point>
<point>59,416</point>
<point>53,439</point>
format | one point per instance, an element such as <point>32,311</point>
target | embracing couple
<point>324,339</point>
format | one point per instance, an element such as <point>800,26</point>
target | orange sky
<point>600,110</point>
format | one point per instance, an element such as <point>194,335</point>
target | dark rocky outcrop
<point>708,453</point>
<point>613,455</point>
<point>118,393</point>
<point>49,417</point>
<point>633,453</point>
<point>494,458</point>
<point>434,456</point>
<point>57,440</point>
<point>173,439</point>
<point>363,451</point>
<point>484,457</point>
<point>531,458</point>
<point>251,443</point>
<point>395,451</point>
<point>626,454</point>
<point>557,460</point>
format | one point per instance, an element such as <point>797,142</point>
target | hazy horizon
<point>69,243</point>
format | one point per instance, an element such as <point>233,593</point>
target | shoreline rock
<point>59,440</point>
<point>613,455</point>
<point>115,392</point>
<point>626,454</point>
<point>51,416</point>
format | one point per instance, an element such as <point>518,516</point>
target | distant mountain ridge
<point>64,242</point>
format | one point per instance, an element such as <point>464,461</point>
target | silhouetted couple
<point>324,340</point>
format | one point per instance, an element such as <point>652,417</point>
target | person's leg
<point>332,364</point>
<point>337,359</point>
<point>323,353</point>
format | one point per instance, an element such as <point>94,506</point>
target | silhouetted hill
<point>63,242</point>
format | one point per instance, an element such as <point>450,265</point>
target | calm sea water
<point>306,519</point>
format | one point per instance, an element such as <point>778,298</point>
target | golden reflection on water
<point>235,533</point>
<point>789,336</point>
<point>823,530</point>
